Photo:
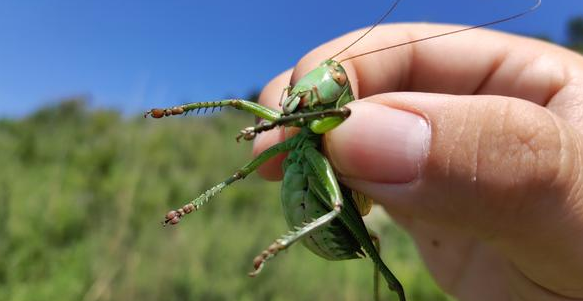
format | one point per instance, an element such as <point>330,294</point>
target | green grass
<point>82,195</point>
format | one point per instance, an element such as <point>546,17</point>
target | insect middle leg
<point>174,216</point>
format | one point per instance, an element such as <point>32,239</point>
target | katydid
<point>325,215</point>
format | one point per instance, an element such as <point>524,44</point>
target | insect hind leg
<point>292,237</point>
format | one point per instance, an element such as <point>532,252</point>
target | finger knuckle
<point>525,141</point>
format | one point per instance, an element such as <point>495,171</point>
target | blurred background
<point>86,180</point>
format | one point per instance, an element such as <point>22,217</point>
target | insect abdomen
<point>302,205</point>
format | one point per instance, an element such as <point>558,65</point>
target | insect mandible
<point>321,212</point>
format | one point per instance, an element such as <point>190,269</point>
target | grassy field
<point>82,194</point>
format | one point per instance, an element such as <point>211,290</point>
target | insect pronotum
<point>321,212</point>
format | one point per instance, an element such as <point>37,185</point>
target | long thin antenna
<point>538,3</point>
<point>370,29</point>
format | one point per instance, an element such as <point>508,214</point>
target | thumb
<point>502,169</point>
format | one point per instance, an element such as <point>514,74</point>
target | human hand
<point>482,163</point>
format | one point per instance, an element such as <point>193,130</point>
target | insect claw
<point>173,221</point>
<point>257,270</point>
<point>174,216</point>
<point>258,263</point>
<point>259,260</point>
<point>247,133</point>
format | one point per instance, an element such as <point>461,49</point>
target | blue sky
<point>133,55</point>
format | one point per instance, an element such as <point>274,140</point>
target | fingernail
<point>380,144</point>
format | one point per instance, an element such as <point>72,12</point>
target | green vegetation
<point>82,195</point>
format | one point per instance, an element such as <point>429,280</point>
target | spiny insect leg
<point>239,104</point>
<point>290,238</point>
<point>174,216</point>
<point>299,119</point>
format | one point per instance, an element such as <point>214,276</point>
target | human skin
<point>480,160</point>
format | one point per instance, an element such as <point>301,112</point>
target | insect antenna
<point>534,7</point>
<point>369,30</point>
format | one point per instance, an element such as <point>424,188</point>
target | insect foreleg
<point>323,170</point>
<point>174,216</point>
<point>284,92</point>
<point>299,119</point>
<point>239,104</point>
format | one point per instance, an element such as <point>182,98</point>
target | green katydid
<point>321,212</point>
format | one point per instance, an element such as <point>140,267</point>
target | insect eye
<point>339,77</point>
